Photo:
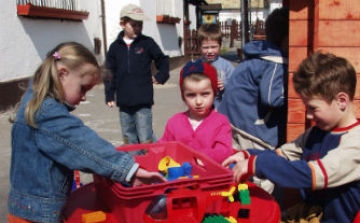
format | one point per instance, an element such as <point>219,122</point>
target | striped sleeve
<point>341,165</point>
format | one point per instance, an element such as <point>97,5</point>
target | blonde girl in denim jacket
<point>49,143</point>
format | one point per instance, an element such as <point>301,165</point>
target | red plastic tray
<point>211,175</point>
<point>263,207</point>
<point>129,203</point>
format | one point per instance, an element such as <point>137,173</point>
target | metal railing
<point>60,4</point>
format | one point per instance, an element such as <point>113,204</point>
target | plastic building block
<point>229,194</point>
<point>231,219</point>
<point>245,197</point>
<point>215,219</point>
<point>166,163</point>
<point>243,213</point>
<point>94,217</point>
<point>187,168</point>
<point>243,187</point>
<point>244,193</point>
<point>174,171</point>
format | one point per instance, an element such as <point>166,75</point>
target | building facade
<point>30,28</point>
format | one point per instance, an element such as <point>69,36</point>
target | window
<point>53,9</point>
<point>165,11</point>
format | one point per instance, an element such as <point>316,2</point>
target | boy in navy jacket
<point>129,81</point>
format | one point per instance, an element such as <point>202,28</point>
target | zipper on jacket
<point>128,58</point>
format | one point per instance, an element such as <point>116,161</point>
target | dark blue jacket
<point>255,96</point>
<point>129,76</point>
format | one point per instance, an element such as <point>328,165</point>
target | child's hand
<point>241,171</point>
<point>220,85</point>
<point>110,104</point>
<point>234,159</point>
<point>154,80</point>
<point>145,177</point>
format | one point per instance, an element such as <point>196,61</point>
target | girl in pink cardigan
<point>200,127</point>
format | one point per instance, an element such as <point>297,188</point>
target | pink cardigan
<point>212,137</point>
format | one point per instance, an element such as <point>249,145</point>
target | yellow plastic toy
<point>165,163</point>
<point>94,217</point>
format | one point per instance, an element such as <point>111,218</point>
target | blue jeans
<point>136,124</point>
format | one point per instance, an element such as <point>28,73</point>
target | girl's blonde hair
<point>46,81</point>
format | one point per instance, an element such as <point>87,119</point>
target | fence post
<point>233,32</point>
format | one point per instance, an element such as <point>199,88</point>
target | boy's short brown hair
<point>209,32</point>
<point>325,75</point>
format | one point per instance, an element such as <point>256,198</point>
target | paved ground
<point>103,120</point>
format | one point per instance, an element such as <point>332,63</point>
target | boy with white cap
<point>129,79</point>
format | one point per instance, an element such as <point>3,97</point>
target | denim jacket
<point>43,160</point>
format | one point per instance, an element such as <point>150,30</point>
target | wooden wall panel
<point>339,9</point>
<point>357,93</point>
<point>296,111</point>
<point>301,27</point>
<point>296,55</point>
<point>293,131</point>
<point>291,90</point>
<point>357,107</point>
<point>338,33</point>
<point>298,34</point>
<point>299,10</point>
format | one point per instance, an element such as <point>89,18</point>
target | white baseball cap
<point>133,12</point>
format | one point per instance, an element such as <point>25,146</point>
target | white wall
<point>165,35</point>
<point>192,16</point>
<point>25,41</point>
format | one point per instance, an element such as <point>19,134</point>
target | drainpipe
<point>103,18</point>
<point>244,22</point>
<point>243,29</point>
